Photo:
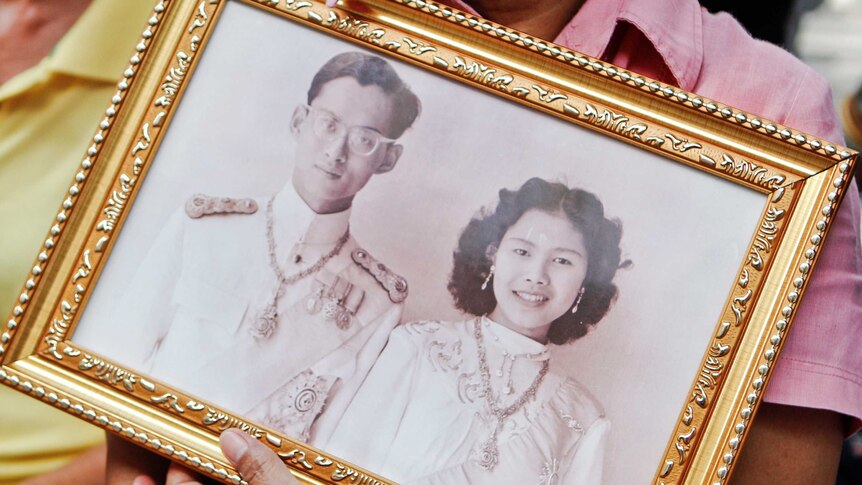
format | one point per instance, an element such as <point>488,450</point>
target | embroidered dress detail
<point>550,473</point>
<point>571,422</point>
<point>445,356</point>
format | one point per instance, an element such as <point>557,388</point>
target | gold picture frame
<point>788,186</point>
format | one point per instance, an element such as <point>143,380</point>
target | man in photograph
<point>268,307</point>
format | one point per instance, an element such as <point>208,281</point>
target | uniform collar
<point>295,221</point>
<point>91,48</point>
<point>673,29</point>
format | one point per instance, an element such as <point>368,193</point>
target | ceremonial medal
<point>267,320</point>
<point>314,301</point>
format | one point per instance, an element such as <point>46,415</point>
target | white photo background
<point>686,232</point>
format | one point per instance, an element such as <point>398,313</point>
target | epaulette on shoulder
<point>200,205</point>
<point>394,284</point>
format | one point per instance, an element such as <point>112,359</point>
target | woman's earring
<point>578,300</point>
<point>488,278</point>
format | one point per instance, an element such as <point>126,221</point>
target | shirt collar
<point>295,221</point>
<point>96,47</point>
<point>672,27</point>
<point>91,48</point>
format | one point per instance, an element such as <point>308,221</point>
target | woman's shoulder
<point>574,405</point>
<point>438,344</point>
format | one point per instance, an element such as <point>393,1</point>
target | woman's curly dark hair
<point>586,213</point>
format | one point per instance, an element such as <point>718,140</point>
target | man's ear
<point>299,116</point>
<point>393,153</point>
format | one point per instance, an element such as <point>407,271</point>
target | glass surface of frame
<point>677,366</point>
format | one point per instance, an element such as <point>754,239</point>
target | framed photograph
<point>401,244</point>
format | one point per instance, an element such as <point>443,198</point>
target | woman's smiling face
<point>539,269</point>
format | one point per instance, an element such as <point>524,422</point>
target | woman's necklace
<point>267,320</point>
<point>488,455</point>
<point>508,364</point>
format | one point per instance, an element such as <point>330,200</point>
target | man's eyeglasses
<point>361,140</point>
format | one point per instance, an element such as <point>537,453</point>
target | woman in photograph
<point>479,400</point>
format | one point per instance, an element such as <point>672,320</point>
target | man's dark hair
<point>371,70</point>
<point>586,214</point>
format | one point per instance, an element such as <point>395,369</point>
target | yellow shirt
<point>48,115</point>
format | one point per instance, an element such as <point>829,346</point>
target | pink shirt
<point>679,43</point>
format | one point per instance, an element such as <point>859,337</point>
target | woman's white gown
<point>420,416</point>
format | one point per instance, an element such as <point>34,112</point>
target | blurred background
<point>825,34</point>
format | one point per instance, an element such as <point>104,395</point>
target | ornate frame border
<point>804,177</point>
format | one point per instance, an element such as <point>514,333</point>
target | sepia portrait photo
<point>428,281</point>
